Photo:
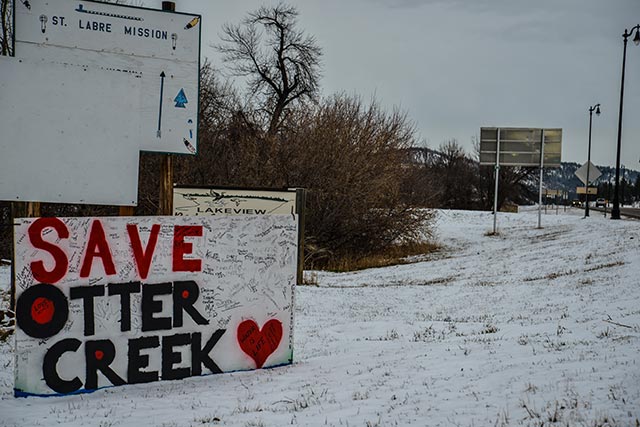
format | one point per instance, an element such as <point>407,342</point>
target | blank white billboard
<point>55,146</point>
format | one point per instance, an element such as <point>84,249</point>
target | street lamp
<point>615,211</point>
<point>595,108</point>
<point>623,186</point>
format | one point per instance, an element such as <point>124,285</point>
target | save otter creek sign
<point>110,301</point>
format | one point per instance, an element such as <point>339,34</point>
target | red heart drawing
<point>259,343</point>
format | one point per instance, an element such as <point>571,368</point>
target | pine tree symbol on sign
<point>181,99</point>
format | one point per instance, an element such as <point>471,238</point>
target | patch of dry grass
<point>601,266</point>
<point>394,255</point>
<point>551,276</point>
<point>555,275</point>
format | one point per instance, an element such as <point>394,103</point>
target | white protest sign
<point>112,301</point>
<point>54,146</point>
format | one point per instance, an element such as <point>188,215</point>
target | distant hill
<point>561,178</point>
<point>564,178</point>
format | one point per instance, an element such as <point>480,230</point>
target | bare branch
<point>6,28</point>
<point>281,63</point>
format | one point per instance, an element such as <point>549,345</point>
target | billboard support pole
<point>541,173</point>
<point>166,168</point>
<point>126,211</point>
<point>18,210</point>
<point>166,185</point>
<point>495,192</point>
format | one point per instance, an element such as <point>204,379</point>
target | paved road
<point>628,212</point>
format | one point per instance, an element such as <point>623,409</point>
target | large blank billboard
<point>50,152</point>
<point>520,146</point>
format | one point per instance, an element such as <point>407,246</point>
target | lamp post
<point>623,186</point>
<point>615,211</point>
<point>595,108</point>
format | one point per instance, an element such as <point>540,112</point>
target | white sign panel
<point>594,172</point>
<point>226,201</point>
<point>54,146</point>
<point>161,49</point>
<point>103,302</point>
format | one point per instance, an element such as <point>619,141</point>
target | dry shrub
<point>347,155</point>
<point>393,255</point>
<point>351,159</point>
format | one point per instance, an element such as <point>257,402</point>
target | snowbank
<point>528,327</point>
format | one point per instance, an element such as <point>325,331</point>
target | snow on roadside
<point>5,278</point>
<point>523,328</point>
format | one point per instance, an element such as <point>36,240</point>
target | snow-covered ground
<point>531,327</point>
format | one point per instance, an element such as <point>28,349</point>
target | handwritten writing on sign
<point>110,301</point>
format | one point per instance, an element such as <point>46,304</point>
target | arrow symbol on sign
<point>181,99</point>
<point>159,133</point>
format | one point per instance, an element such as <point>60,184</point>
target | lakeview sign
<point>198,201</point>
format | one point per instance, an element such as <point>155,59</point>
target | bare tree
<point>281,63</point>
<point>455,173</point>
<point>515,184</point>
<point>6,27</point>
<point>350,157</point>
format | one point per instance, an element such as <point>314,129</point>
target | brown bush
<point>347,155</point>
<point>351,159</point>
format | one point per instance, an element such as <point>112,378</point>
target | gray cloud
<point>456,65</point>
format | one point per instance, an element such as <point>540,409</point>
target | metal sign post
<point>495,192</point>
<point>541,173</point>
<point>587,173</point>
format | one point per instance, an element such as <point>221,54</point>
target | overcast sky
<point>457,65</point>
